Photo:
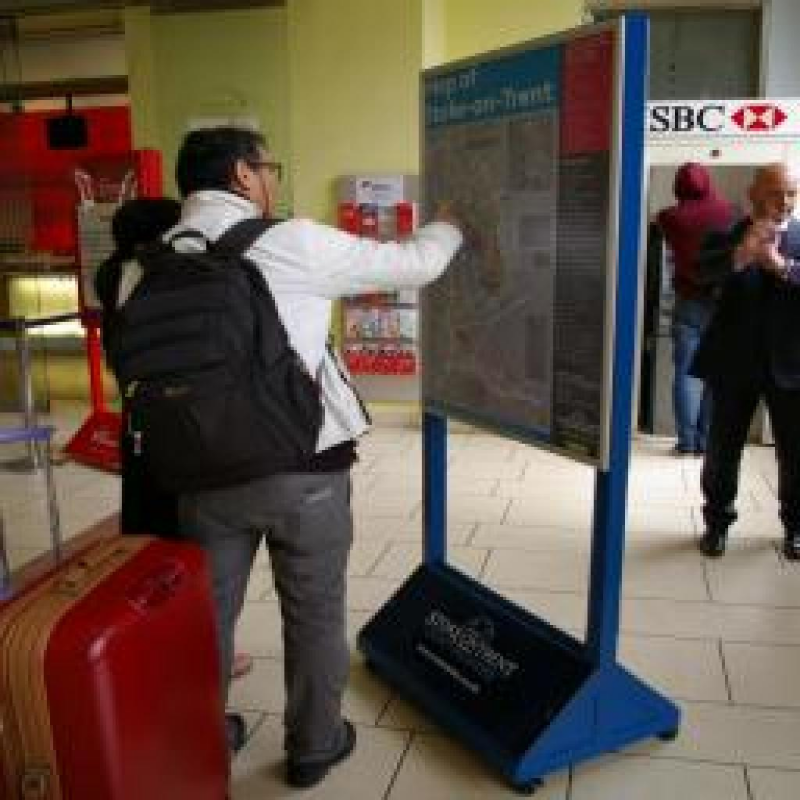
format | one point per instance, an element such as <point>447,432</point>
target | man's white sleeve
<point>340,264</point>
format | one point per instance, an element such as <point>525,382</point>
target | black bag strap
<point>238,239</point>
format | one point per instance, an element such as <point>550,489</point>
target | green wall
<point>141,77</point>
<point>222,66</point>
<point>354,67</point>
<point>333,83</point>
<point>473,26</point>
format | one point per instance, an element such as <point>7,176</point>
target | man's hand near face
<point>758,245</point>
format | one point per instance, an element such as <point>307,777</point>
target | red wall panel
<point>28,161</point>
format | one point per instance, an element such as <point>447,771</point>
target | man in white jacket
<point>225,175</point>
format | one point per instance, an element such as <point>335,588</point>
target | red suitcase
<point>109,677</point>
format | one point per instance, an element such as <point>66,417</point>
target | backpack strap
<point>238,239</point>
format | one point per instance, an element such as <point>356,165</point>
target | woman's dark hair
<point>134,223</point>
<point>142,220</point>
<point>207,157</point>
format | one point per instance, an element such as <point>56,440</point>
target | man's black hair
<point>208,156</point>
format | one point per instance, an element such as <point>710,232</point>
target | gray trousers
<point>306,523</point>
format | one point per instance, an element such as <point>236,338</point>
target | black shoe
<point>791,547</point>
<point>306,774</point>
<point>236,729</point>
<point>713,542</point>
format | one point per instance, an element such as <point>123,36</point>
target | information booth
<point>531,334</point>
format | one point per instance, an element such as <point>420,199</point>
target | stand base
<point>511,686</point>
<point>96,444</point>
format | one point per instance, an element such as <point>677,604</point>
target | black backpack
<point>215,395</point>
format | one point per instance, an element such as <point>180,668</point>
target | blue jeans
<point>691,399</point>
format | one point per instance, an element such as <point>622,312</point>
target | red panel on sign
<point>586,104</point>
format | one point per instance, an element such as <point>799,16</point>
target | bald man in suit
<point>751,350</point>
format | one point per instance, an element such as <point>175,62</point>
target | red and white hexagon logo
<point>759,117</point>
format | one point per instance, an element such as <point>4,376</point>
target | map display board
<point>516,335</point>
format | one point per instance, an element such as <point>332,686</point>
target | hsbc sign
<point>759,118</point>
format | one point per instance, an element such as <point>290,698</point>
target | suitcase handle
<point>158,587</point>
<point>90,567</point>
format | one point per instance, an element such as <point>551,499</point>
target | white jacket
<point>307,266</point>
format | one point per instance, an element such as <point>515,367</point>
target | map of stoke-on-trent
<point>490,314</point>
<point>515,334</point>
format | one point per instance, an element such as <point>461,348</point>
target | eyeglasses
<point>275,167</point>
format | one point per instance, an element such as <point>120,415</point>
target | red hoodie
<point>699,211</point>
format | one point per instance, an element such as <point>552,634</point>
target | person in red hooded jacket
<point>699,211</point>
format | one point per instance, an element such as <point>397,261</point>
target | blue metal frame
<point>434,474</point>
<point>612,708</point>
<point>608,541</point>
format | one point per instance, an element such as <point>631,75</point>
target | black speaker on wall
<point>67,132</point>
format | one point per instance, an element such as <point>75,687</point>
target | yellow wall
<point>473,26</point>
<point>142,88</point>
<point>434,33</point>
<point>333,84</point>
<point>353,77</point>
<point>222,66</point>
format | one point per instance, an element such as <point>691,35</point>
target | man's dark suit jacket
<point>756,324</point>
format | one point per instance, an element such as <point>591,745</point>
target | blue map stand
<point>528,697</point>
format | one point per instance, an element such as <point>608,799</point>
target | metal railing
<point>19,327</point>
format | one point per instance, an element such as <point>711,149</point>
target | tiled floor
<point>722,638</point>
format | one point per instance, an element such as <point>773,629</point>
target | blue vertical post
<point>434,442</point>
<point>608,541</point>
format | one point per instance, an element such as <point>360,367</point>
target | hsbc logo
<point>759,117</point>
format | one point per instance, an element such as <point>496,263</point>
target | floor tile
<point>472,508</point>
<point>751,572</point>
<point>575,514</point>
<point>258,771</point>
<point>728,734</point>
<point>262,689</point>
<point>664,567</point>
<point>654,569</point>
<point>258,631</point>
<point>768,784</point>
<point>402,558</point>
<point>662,520</point>
<point>436,768</point>
<point>370,594</point>
<point>509,569</point>
<point>566,610</point>
<point>374,503</point>
<point>683,669</point>
<point>732,623</point>
<point>529,537</point>
<point>259,586</point>
<point>763,675</point>
<point>364,555</point>
<point>400,714</point>
<point>635,778</point>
